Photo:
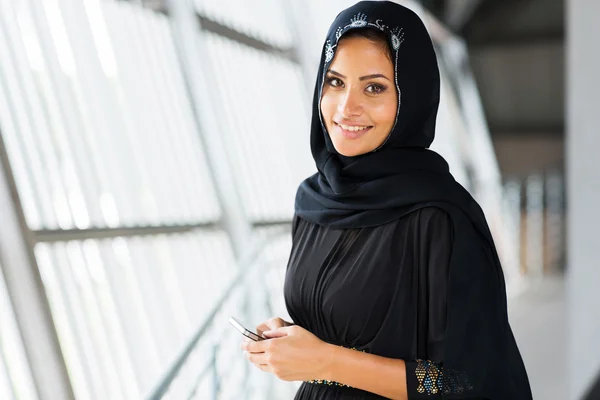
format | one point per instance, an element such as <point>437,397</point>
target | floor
<point>538,320</point>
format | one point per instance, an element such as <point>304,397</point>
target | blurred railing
<point>211,365</point>
<point>535,212</point>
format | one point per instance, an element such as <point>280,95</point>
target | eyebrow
<point>362,78</point>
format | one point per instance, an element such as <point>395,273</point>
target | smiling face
<point>359,100</point>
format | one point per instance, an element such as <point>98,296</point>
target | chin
<point>349,151</point>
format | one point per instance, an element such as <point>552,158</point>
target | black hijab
<point>372,189</point>
<point>403,175</point>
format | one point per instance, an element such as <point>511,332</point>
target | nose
<point>350,105</point>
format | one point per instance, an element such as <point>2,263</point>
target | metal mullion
<point>98,233</point>
<point>213,26</point>
<point>271,223</point>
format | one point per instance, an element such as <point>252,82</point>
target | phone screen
<point>249,334</point>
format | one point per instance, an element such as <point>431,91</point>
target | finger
<point>244,342</point>
<point>254,347</point>
<point>263,367</point>
<point>257,358</point>
<point>261,328</point>
<point>276,333</point>
<point>275,323</point>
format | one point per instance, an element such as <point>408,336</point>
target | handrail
<point>248,259</point>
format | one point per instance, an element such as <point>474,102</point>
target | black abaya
<point>390,254</point>
<point>384,290</point>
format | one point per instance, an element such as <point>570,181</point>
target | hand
<point>271,324</point>
<point>291,353</point>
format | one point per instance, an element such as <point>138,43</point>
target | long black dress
<point>390,254</point>
<point>381,290</point>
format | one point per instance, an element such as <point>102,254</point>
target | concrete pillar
<point>186,34</point>
<point>27,294</point>
<point>583,195</point>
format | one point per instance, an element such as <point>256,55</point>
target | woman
<point>393,282</point>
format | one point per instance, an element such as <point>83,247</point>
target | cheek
<point>327,107</point>
<point>385,113</point>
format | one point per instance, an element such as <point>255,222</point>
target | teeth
<point>353,128</point>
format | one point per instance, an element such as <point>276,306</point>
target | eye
<point>334,82</point>
<point>376,88</point>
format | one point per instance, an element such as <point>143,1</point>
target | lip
<point>352,134</point>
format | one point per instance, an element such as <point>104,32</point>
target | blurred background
<point>150,152</point>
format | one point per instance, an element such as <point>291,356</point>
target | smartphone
<point>249,334</point>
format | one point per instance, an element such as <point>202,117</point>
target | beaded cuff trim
<point>332,383</point>
<point>326,382</point>
<point>434,379</point>
<point>430,377</point>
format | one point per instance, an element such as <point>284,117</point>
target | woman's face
<point>359,100</point>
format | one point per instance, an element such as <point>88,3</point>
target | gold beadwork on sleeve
<point>332,383</point>
<point>430,377</point>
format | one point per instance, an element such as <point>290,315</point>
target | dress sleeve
<point>462,347</point>
<point>426,376</point>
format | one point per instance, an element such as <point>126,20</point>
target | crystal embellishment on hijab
<point>360,20</point>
